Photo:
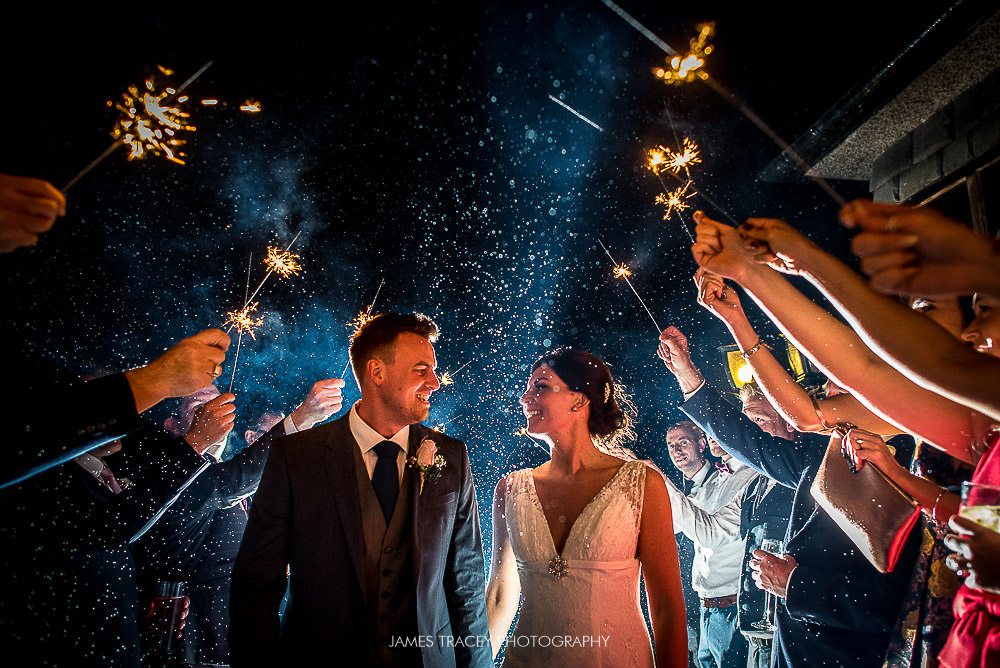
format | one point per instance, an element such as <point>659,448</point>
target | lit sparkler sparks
<point>251,106</point>
<point>678,160</point>
<point>656,159</point>
<point>284,263</point>
<point>446,379</point>
<point>148,125</point>
<point>520,431</point>
<point>688,67</point>
<point>622,271</point>
<point>245,320</point>
<point>360,321</point>
<point>675,201</point>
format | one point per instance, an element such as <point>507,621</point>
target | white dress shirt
<point>368,438</point>
<point>710,517</point>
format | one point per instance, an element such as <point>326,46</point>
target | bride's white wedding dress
<point>580,608</point>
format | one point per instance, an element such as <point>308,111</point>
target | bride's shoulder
<point>514,481</point>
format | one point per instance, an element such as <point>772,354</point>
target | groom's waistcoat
<point>390,585</point>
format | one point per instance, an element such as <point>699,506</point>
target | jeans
<point>720,644</point>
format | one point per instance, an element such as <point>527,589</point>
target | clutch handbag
<point>871,509</point>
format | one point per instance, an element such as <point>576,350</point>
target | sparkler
<point>239,342</point>
<point>675,201</point>
<point>575,112</point>
<point>282,262</point>
<point>731,98</point>
<point>689,67</point>
<point>359,322</point>
<point>448,377</point>
<point>271,270</point>
<point>676,161</point>
<point>153,128</point>
<point>625,275</point>
<point>251,106</point>
<point>245,320</point>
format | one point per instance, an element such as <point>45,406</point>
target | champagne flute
<point>981,504</point>
<point>770,600</point>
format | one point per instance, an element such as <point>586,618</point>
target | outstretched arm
<point>922,350</point>
<point>661,572</point>
<point>503,593</point>
<point>833,346</point>
<point>787,396</point>
<point>706,529</point>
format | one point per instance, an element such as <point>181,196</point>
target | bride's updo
<point>611,411</point>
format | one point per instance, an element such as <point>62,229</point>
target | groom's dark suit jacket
<point>307,518</point>
<point>839,610</point>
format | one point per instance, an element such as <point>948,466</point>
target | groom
<point>384,558</point>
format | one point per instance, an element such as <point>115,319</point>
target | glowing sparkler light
<point>440,428</point>
<point>250,106</point>
<point>446,379</point>
<point>210,102</point>
<point>359,321</point>
<point>622,271</point>
<point>689,67</point>
<point>678,160</point>
<point>245,321</point>
<point>282,262</point>
<point>523,431</point>
<point>675,200</point>
<point>657,159</point>
<point>149,126</point>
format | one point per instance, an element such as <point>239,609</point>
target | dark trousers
<point>720,644</point>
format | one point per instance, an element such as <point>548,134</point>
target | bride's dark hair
<point>612,413</point>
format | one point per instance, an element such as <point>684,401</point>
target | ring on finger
<point>216,371</point>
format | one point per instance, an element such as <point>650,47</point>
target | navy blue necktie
<point>385,477</point>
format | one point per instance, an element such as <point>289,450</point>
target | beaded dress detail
<point>580,608</point>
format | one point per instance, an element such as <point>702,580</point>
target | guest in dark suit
<point>196,541</point>
<point>55,421</point>
<point>384,559</point>
<point>70,598</point>
<point>836,608</point>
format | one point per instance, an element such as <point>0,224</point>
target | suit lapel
<point>340,469</point>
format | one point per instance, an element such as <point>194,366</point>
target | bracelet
<point>755,348</point>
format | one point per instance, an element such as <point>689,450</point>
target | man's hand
<point>717,297</point>
<point>673,350</point>
<point>161,615</point>
<point>189,365</point>
<point>917,250</point>
<point>212,422</point>
<point>772,571</point>
<point>324,399</point>
<point>28,208</point>
<point>977,553</point>
<point>719,249</point>
<point>776,243</point>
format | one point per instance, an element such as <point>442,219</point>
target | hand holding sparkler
<point>189,365</point>
<point>719,249</point>
<point>718,298</point>
<point>212,422</point>
<point>28,208</point>
<point>325,398</point>
<point>775,243</point>
<point>673,350</point>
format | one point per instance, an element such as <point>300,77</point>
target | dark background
<point>415,143</point>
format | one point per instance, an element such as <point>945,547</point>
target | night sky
<point>416,144</point>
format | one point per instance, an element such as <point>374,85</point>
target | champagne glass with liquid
<point>981,504</point>
<point>770,600</point>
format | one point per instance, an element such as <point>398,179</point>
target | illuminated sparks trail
<point>575,112</point>
<point>740,106</point>
<point>282,262</point>
<point>626,278</point>
<point>119,141</point>
<point>360,320</point>
<point>675,202</point>
<point>251,106</point>
<point>245,321</point>
<point>689,67</point>
<point>448,377</point>
<point>239,341</point>
<point>271,270</point>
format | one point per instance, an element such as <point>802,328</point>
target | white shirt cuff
<point>289,425</point>
<point>688,395</point>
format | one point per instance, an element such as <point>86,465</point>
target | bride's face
<point>548,404</point>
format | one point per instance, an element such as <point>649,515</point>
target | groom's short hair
<point>377,337</point>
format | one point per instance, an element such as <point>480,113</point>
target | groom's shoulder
<point>310,440</point>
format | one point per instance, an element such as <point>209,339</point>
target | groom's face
<point>409,378</point>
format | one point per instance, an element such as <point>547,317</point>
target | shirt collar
<point>702,473</point>
<point>368,438</point>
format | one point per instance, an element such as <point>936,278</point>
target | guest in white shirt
<point>710,516</point>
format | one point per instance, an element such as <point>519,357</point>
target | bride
<point>571,534</point>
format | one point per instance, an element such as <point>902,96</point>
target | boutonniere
<point>428,462</point>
